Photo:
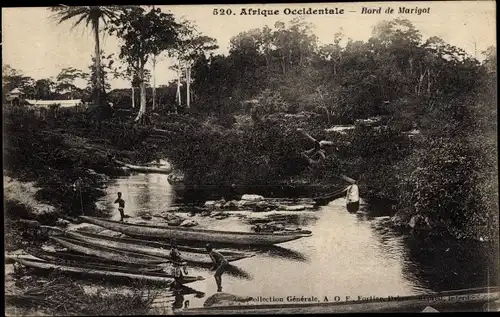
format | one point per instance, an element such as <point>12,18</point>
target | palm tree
<point>90,15</point>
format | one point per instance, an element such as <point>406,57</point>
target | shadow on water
<point>238,272</point>
<point>277,251</point>
<point>441,263</point>
<point>270,250</point>
<point>231,269</point>
<point>179,299</point>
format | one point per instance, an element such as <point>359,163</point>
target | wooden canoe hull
<point>109,271</point>
<point>95,272</point>
<point>325,199</point>
<point>182,248</point>
<point>96,262</point>
<point>144,248</point>
<point>198,235</point>
<point>108,253</point>
<point>446,301</point>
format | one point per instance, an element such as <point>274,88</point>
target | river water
<point>348,255</point>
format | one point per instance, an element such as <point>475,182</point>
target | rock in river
<point>146,216</point>
<point>219,215</point>
<point>232,204</point>
<point>293,208</point>
<point>262,206</point>
<point>210,203</point>
<point>188,223</point>
<point>225,299</point>
<point>250,197</point>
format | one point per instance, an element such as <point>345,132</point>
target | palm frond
<point>65,13</point>
<point>78,21</point>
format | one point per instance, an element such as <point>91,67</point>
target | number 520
<point>222,12</point>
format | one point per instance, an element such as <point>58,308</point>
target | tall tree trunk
<point>188,82</point>
<point>178,96</point>
<point>133,96</point>
<point>154,81</point>
<point>429,83</point>
<point>283,63</point>
<point>98,97</point>
<point>142,109</point>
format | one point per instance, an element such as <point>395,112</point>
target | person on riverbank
<point>317,153</point>
<point>179,267</point>
<point>121,205</point>
<point>220,265</point>
<point>352,197</point>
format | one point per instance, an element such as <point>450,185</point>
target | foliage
<point>431,152</point>
<point>63,295</point>
<point>106,62</point>
<point>56,160</point>
<point>65,81</point>
<point>143,34</point>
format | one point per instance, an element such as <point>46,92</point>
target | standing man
<point>121,205</point>
<point>77,188</point>
<point>352,198</point>
<point>220,264</point>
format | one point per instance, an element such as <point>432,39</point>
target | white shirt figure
<point>352,193</point>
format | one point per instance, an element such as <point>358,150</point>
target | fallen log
<point>146,169</point>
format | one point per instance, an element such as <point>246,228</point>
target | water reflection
<point>439,263</point>
<point>179,296</point>
<point>144,194</point>
<point>277,251</point>
<point>141,192</point>
<point>231,269</point>
<point>238,272</point>
<point>347,255</point>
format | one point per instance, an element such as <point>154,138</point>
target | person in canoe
<point>121,205</point>
<point>220,265</point>
<point>317,154</point>
<point>352,197</point>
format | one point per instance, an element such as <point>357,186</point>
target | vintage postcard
<point>250,159</point>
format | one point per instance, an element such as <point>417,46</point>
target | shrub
<point>441,181</point>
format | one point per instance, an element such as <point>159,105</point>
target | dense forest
<point>431,153</point>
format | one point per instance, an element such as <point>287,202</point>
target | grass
<point>62,295</point>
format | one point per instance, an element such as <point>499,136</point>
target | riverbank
<point>71,157</point>
<point>68,159</point>
<point>407,270</point>
<point>34,295</point>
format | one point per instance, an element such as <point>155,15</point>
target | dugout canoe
<point>326,198</point>
<point>108,253</point>
<point>69,258</point>
<point>197,235</point>
<point>89,271</point>
<point>458,300</point>
<point>190,255</point>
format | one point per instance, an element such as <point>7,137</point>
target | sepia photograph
<point>274,158</point>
